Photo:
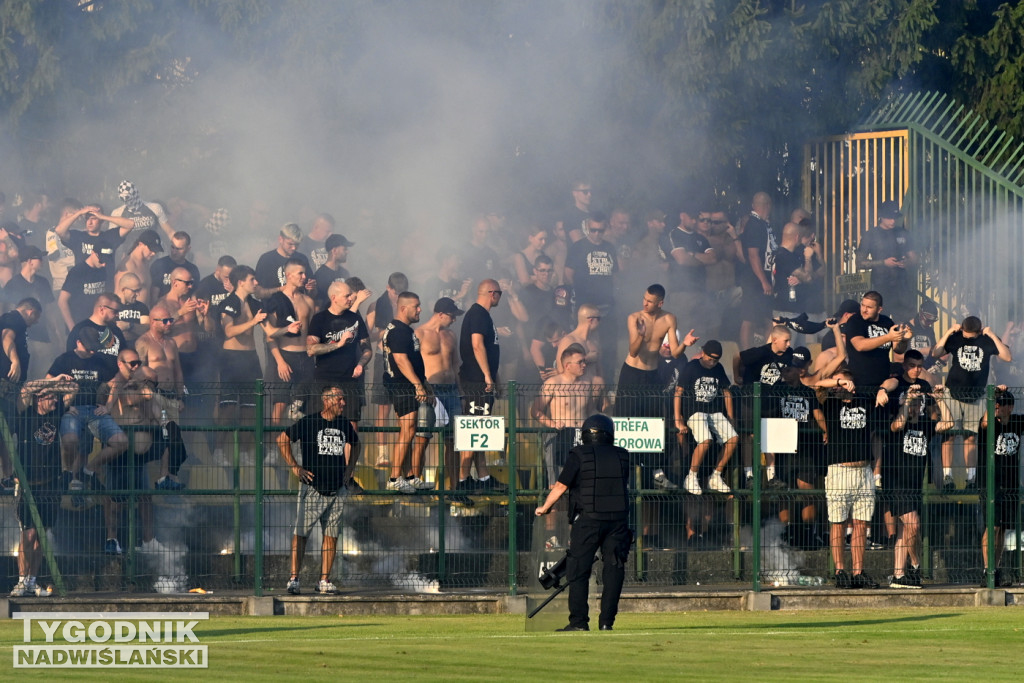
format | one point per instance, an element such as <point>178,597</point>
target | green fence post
<point>133,500</point>
<point>257,516</point>
<point>236,485</point>
<point>513,554</point>
<point>990,484</point>
<point>755,518</point>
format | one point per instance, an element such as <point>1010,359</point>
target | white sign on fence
<point>479,433</point>
<point>640,434</point>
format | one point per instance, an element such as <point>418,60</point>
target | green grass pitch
<point>961,644</point>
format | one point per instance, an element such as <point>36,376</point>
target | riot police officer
<point>595,476</point>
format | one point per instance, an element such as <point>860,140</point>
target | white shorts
<point>315,507</point>
<point>850,492</point>
<point>705,425</point>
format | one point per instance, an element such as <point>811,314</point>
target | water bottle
<point>163,422</point>
<point>792,294</point>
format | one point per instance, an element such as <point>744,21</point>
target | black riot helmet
<point>598,429</point>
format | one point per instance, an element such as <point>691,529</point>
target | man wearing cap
<point>888,252</point>
<point>103,319</point>
<point>339,343</point>
<point>707,413</point>
<point>922,330</point>
<point>136,262</point>
<point>438,348</point>
<point>331,269</point>
<point>270,267</point>
<point>28,283</point>
<point>160,272</point>
<point>89,370</point>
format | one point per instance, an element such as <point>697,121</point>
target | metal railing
<point>231,527</point>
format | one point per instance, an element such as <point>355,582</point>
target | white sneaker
<point>691,484</point>
<point>19,591</point>
<point>402,485</point>
<point>663,482</point>
<point>151,546</point>
<point>716,483</point>
<point>293,587</point>
<point>419,484</point>
<point>295,411</point>
<point>326,588</point>
<point>44,591</point>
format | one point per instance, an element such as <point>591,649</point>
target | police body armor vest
<point>602,489</point>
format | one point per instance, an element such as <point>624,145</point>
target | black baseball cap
<point>847,306</point>
<point>336,240</point>
<point>447,306</point>
<point>889,209</point>
<point>712,347</point>
<point>801,357</point>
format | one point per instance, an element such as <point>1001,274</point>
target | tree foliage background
<point>497,101</point>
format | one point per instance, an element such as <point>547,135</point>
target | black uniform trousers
<point>587,535</point>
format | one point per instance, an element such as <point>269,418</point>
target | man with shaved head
<point>160,353</point>
<point>478,375</point>
<point>133,318</point>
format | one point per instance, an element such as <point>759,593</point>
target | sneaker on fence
<point>776,484</point>
<point>295,411</point>
<point>19,591</point>
<point>716,483</point>
<point>292,587</point>
<point>112,547</point>
<point>401,485</point>
<point>842,579</point>
<point>491,485</point>
<point>326,588</point>
<point>43,591</point>
<point>971,485</point>
<point>168,484</point>
<point>864,580</point>
<point>468,485</point>
<point>419,484</point>
<point>75,488</point>
<point>749,479</point>
<point>663,482</point>
<point>691,484</point>
<point>903,582</point>
<point>948,484</point>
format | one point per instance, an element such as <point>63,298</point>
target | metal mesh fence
<point>226,518</point>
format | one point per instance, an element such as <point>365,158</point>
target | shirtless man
<point>188,313</point>
<point>286,326</point>
<point>587,320</point>
<point>160,352</point>
<point>565,400</point>
<point>240,312</point>
<point>439,350</point>
<point>640,392</point>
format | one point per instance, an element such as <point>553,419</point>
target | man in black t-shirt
<point>37,424</point>
<point>160,270</point>
<point>340,344</point>
<point>970,348</point>
<point>689,253</point>
<point>1009,430</point>
<point>377,318</point>
<point>888,252</point>
<point>764,365</point>
<point>326,439</point>
<point>591,264</point>
<point>84,283</point>
<point>330,269</point>
<point>405,380</point>
<point>270,266</point>
<point>756,278</point>
<point>703,408</point>
<point>870,337</point>
<point>478,376</point>
<point>14,355</point>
